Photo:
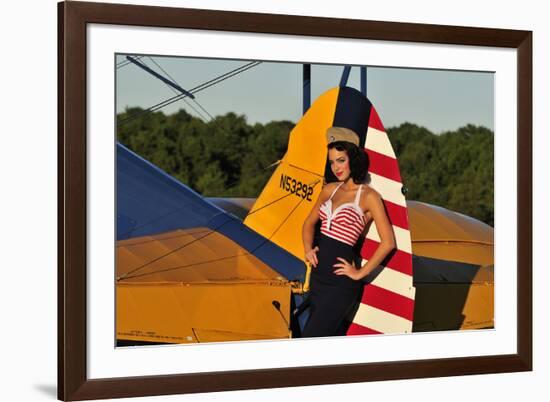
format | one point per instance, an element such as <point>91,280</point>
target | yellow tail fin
<point>279,212</point>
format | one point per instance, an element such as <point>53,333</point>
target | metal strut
<point>160,77</point>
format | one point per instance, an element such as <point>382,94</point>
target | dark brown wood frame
<point>73,383</point>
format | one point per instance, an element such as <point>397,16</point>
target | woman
<point>344,207</point>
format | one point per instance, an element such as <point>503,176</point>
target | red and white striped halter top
<point>345,223</point>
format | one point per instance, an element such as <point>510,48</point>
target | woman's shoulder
<point>368,194</point>
<point>330,186</point>
<point>370,190</point>
<point>327,189</point>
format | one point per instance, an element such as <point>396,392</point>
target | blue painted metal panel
<point>150,201</point>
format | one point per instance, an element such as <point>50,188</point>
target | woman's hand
<point>311,256</point>
<point>347,269</point>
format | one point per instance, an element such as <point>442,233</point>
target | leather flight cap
<point>342,134</point>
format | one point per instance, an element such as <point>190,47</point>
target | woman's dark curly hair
<point>358,162</point>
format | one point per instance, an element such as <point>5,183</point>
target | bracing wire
<point>198,88</point>
<point>176,92</point>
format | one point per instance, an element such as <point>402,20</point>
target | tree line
<point>227,157</point>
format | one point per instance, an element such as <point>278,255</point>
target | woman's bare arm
<point>308,228</point>
<point>385,231</point>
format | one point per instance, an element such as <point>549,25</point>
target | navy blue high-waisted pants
<point>334,298</point>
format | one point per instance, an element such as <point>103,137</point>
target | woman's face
<point>339,163</point>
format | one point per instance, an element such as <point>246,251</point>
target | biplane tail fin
<point>279,212</point>
<point>286,200</point>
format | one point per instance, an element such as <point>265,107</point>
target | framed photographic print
<point>254,200</point>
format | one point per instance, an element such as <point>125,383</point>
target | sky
<point>440,100</point>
